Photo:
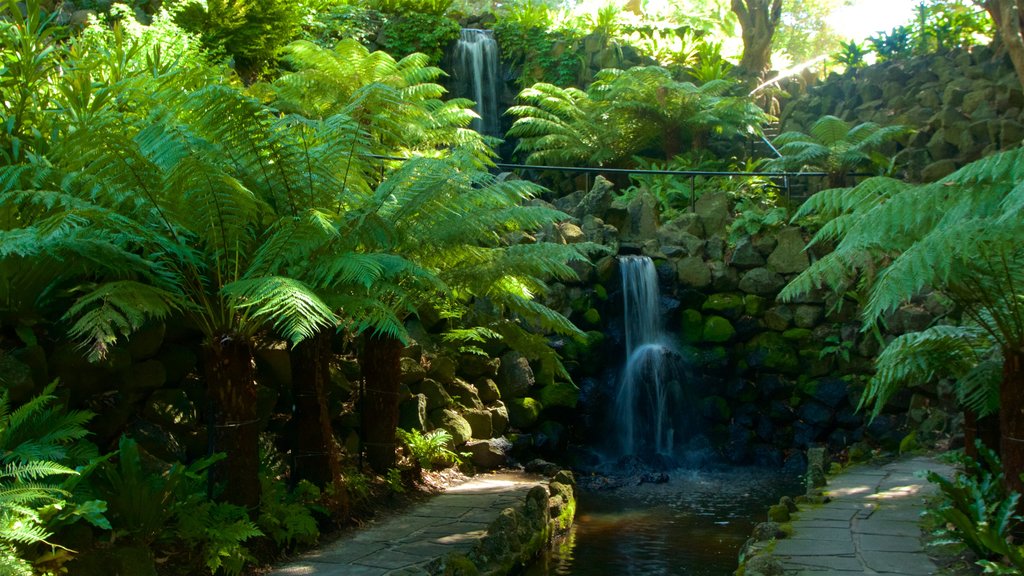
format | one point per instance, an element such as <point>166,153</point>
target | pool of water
<point>694,524</point>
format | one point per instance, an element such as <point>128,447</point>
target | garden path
<point>870,526</point>
<point>403,545</point>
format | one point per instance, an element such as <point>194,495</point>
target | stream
<point>694,524</point>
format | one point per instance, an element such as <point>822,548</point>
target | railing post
<point>693,194</point>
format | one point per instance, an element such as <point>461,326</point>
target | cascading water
<point>649,394</point>
<point>476,71</point>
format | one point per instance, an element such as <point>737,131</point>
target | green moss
<point>753,305</point>
<point>717,329</point>
<point>565,519</point>
<point>797,334</point>
<point>769,350</point>
<point>600,292</point>
<point>723,303</point>
<point>592,317</point>
<point>459,565</point>
<point>691,326</point>
<point>778,513</point>
<point>560,394</point>
<point>523,412</point>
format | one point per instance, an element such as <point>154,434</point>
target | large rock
<point>465,394</point>
<point>693,272</point>
<point>499,418</point>
<point>717,329</point>
<point>597,201</point>
<point>771,351</point>
<point>474,366</point>
<point>564,394</point>
<point>762,281</point>
<point>454,423</point>
<point>146,375</point>
<point>146,342</point>
<point>412,371</point>
<point>480,422</point>
<point>745,255</point>
<point>435,394</point>
<point>789,256</point>
<point>515,376</point>
<point>713,209</point>
<point>523,412</point>
<point>807,315</point>
<point>412,414</point>
<point>442,369</point>
<point>17,377</point>
<point>489,454</point>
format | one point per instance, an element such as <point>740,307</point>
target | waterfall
<point>477,73</point>
<point>649,391</point>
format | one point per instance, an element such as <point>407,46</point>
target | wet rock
<point>523,412</point>
<point>717,329</point>
<point>474,366</point>
<point>564,394</point>
<point>766,531</point>
<point>146,342</point>
<point>778,317</point>
<point>713,209</point>
<point>745,255</point>
<point>691,326</point>
<point>770,350</point>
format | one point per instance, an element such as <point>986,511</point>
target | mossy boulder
<point>592,317</point>
<point>769,350</point>
<point>454,423</point>
<point>728,304</point>
<point>564,394</point>
<point>799,335</point>
<point>691,326</point>
<point>778,513</point>
<point>412,370</point>
<point>753,305</point>
<point>523,412</point>
<point>717,329</point>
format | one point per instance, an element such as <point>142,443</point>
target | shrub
<point>431,449</point>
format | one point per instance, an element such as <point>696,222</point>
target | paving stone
<point>841,533</point>
<point>809,546</point>
<point>823,563</point>
<point>875,543</point>
<point>826,513</point>
<point>902,563</point>
<point>343,555</point>
<point>894,528</point>
<point>391,559</point>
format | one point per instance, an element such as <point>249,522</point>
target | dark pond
<point>695,524</point>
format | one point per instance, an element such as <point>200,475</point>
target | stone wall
<point>963,105</point>
<point>771,378</point>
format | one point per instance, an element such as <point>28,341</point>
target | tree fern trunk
<point>985,429</point>
<point>381,365</point>
<point>1011,417</point>
<point>232,392</point>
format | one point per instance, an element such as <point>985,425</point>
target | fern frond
<point>289,305</point>
<point>117,309</point>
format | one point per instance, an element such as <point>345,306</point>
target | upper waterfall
<point>477,73</point>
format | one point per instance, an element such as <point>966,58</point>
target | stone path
<point>871,525</point>
<point>404,544</point>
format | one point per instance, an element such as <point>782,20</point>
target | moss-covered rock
<point>725,303</point>
<point>778,513</point>
<point>454,423</point>
<point>691,326</point>
<point>523,412</point>
<point>769,350</point>
<point>753,305</point>
<point>564,394</point>
<point>798,335</point>
<point>592,317</point>
<point>717,329</point>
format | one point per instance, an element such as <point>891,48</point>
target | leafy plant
<point>833,146</point>
<point>979,512</point>
<point>851,55</point>
<point>393,478</point>
<point>417,32</point>
<point>430,450</point>
<point>893,45</point>
<point>836,347</point>
<point>408,7</point>
<point>756,216</point>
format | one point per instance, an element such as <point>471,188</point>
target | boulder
<point>17,378</point>
<point>724,278</point>
<point>412,371</point>
<point>464,394</point>
<point>713,209</point>
<point>762,281</point>
<point>564,394</point>
<point>769,350</point>
<point>596,202</point>
<point>435,394</point>
<point>412,414</point>
<point>691,326</point>
<point>807,315</point>
<point>568,233</point>
<point>693,272</point>
<point>442,369</point>
<point>480,422</point>
<point>146,342</point>
<point>454,423</point>
<point>745,256</point>
<point>725,304</point>
<point>499,418</point>
<point>488,391</point>
<point>717,329</point>
<point>789,256</point>
<point>523,412</point>
<point>474,366</point>
<point>515,376</point>
<point>146,375</point>
<point>489,454</point>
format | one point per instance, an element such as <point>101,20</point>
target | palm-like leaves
<point>624,112</point>
<point>833,146</point>
<point>960,236</point>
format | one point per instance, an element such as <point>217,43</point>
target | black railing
<point>787,178</point>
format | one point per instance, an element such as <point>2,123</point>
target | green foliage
<point>393,479</point>
<point>804,32</point>
<point>964,353</point>
<point>286,517</point>
<point>418,32</point>
<point>408,7</point>
<point>756,216</point>
<point>624,112</point>
<point>941,25</point>
<point>330,24</point>
<point>851,55</point>
<point>252,32</point>
<point>167,510</point>
<point>536,52</point>
<point>38,442</point>
<point>892,45</point>
<point>833,146</point>
<point>430,450</point>
<point>978,511</point>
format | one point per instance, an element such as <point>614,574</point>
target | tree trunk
<point>1006,14</point>
<point>315,451</point>
<point>758,20</point>
<point>985,429</point>
<point>231,388</point>
<point>381,365</point>
<point>1011,417</point>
